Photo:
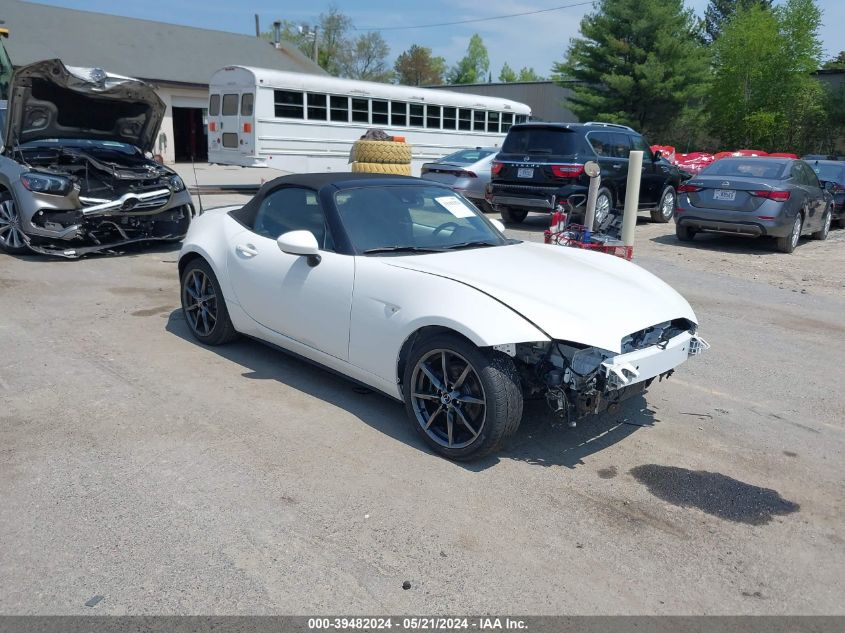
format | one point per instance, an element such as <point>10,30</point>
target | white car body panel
<point>570,294</point>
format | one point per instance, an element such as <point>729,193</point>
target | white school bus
<point>299,122</point>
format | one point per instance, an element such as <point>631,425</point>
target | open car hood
<point>50,100</point>
<point>571,294</point>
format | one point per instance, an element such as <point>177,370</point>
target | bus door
<point>246,142</point>
<point>229,122</point>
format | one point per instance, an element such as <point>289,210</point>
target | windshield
<point>412,218</point>
<point>467,156</point>
<point>86,144</point>
<point>746,168</point>
<point>832,173</point>
<point>540,140</point>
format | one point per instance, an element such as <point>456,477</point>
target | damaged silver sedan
<point>74,174</point>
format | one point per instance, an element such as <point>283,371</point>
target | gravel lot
<point>171,478</point>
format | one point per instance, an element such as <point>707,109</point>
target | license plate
<point>525,172</point>
<point>724,194</point>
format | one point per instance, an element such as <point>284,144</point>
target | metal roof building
<point>178,60</point>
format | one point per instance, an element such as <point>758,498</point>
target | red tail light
<point>688,188</point>
<point>495,168</point>
<point>570,170</point>
<point>779,196</point>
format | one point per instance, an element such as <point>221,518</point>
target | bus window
<point>432,117</point>
<point>230,139</point>
<point>230,105</point>
<point>478,120</point>
<point>417,115</point>
<point>521,118</point>
<point>339,108</point>
<point>450,120</point>
<point>507,121</point>
<point>247,102</point>
<point>398,113</point>
<point>464,119</point>
<point>317,107</point>
<point>360,110</point>
<point>380,112</point>
<point>288,104</point>
<point>493,122</point>
<point>214,105</point>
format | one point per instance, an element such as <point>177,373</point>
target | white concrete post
<point>632,196</point>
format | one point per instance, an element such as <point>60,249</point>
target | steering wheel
<point>444,226</point>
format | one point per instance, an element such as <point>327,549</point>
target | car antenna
<point>196,182</point>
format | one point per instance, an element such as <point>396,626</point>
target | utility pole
<point>257,27</point>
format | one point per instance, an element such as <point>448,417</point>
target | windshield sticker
<point>454,206</point>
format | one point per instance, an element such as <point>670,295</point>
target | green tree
<point>335,47</point>
<point>835,63</point>
<point>292,33</point>
<point>527,74</point>
<point>507,74</point>
<point>418,67</point>
<point>764,94</point>
<point>719,12</point>
<point>638,63</point>
<point>367,59</point>
<point>473,66</point>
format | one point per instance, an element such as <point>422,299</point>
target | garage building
<point>177,60</point>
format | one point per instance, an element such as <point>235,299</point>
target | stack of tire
<point>381,157</point>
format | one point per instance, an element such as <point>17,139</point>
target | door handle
<point>617,166</point>
<point>247,250</point>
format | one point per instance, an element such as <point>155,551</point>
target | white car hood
<point>572,295</point>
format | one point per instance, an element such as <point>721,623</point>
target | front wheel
<point>203,305</point>
<point>464,401</point>
<point>12,239</point>
<point>822,233</point>
<point>512,216</point>
<point>666,206</point>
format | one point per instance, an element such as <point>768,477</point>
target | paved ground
<point>172,478</point>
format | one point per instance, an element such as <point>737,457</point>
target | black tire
<point>684,233</point>
<point>822,233</point>
<point>493,380</point>
<point>604,205</point>
<point>11,235</point>
<point>788,243</point>
<point>215,330</point>
<point>512,216</point>
<point>665,209</point>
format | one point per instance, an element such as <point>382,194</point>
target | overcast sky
<point>531,40</point>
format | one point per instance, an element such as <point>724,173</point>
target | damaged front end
<point>577,380</point>
<point>99,199</point>
<point>76,159</point>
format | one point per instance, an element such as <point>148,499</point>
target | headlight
<point>176,183</point>
<point>46,183</point>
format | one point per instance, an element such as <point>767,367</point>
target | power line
<point>495,17</point>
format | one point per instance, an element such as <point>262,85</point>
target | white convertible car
<point>404,286</point>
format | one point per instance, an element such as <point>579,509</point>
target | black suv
<point>542,164</point>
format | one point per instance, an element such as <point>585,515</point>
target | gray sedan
<point>466,171</point>
<point>777,197</point>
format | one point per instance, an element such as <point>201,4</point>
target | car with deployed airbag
<point>74,174</point>
<point>403,285</point>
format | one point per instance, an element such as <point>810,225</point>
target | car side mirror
<point>828,185</point>
<point>301,243</point>
<point>657,155</point>
<point>498,224</point>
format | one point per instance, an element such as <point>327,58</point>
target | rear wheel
<point>684,233</point>
<point>203,305</point>
<point>666,206</point>
<point>12,239</point>
<point>512,216</point>
<point>464,401</point>
<point>788,243</point>
<point>604,203</point>
<point>822,233</point>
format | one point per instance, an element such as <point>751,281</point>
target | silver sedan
<point>467,172</point>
